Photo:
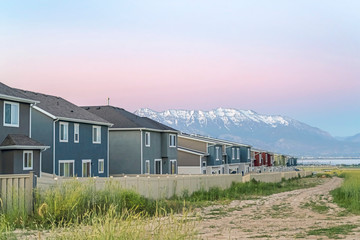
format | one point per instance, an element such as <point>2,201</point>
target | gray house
<point>19,153</point>
<point>138,145</point>
<point>78,139</point>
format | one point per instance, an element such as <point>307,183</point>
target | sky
<point>295,58</point>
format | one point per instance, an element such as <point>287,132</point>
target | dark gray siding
<point>12,162</point>
<point>24,116</point>
<point>84,150</point>
<point>154,151</point>
<point>245,156</point>
<point>42,131</point>
<point>212,155</point>
<point>125,152</point>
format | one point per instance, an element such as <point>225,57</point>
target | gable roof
<point>10,93</point>
<point>126,120</point>
<point>211,140</point>
<point>57,107</point>
<point>21,141</point>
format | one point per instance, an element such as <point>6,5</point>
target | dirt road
<point>305,213</point>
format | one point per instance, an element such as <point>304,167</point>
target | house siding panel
<point>42,131</point>
<point>85,149</point>
<point>125,152</point>
<point>188,159</point>
<point>192,144</point>
<point>24,121</point>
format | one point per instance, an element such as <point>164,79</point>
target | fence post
<point>30,196</point>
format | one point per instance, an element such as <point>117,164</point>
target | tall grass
<point>80,209</point>
<point>348,195</point>
<point>240,191</point>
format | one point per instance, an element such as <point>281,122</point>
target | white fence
<point>166,186</point>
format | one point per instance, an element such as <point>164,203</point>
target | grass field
<point>348,195</point>
<point>78,211</point>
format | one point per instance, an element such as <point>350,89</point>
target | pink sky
<point>297,61</point>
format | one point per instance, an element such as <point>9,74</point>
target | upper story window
<point>248,153</point>
<point>233,153</point>
<point>96,134</point>
<point>238,153</point>
<point>147,139</point>
<point>76,133</point>
<point>11,114</point>
<point>172,141</point>
<point>64,128</point>
<point>217,153</point>
<point>28,160</point>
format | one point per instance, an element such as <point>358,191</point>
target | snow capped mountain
<point>271,132</point>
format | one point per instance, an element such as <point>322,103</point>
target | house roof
<point>57,107</point>
<point>192,151</point>
<point>212,140</point>
<point>126,120</point>
<point>21,141</point>
<point>10,93</point>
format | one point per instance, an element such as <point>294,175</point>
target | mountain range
<point>270,132</point>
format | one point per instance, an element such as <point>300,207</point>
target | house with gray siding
<point>78,139</point>
<point>204,155</point>
<point>138,145</point>
<point>19,152</point>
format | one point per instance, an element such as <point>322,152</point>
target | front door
<point>158,169</point>
<point>86,168</point>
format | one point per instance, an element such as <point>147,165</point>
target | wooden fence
<point>16,192</point>
<point>166,186</point>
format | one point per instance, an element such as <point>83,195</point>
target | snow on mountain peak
<point>227,116</point>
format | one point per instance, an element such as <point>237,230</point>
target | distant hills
<point>271,132</point>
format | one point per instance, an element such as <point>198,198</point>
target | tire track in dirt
<point>286,215</point>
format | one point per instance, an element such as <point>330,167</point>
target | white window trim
<point>77,126</point>
<point>233,153</point>
<point>32,160</point>
<point>171,161</point>
<point>101,160</point>
<point>67,129</point>
<point>82,166</point>
<point>146,163</point>
<point>99,132</point>
<point>147,135</point>
<point>172,136</point>
<point>202,164</point>
<point>238,153</point>
<point>18,115</point>
<point>158,160</point>
<point>67,161</point>
<point>217,153</point>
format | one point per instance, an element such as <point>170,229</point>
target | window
<point>76,133</point>
<point>101,165</point>
<point>158,167</point>
<point>217,153</point>
<point>204,163</point>
<point>172,166</point>
<point>147,167</point>
<point>64,126</point>
<point>96,134</point>
<point>11,114</point>
<point>248,153</point>
<point>238,153</point>
<point>147,139</point>
<point>86,168</point>
<point>66,168</point>
<point>28,160</point>
<point>172,142</point>
<point>233,153</point>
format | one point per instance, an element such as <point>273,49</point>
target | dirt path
<point>285,215</point>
